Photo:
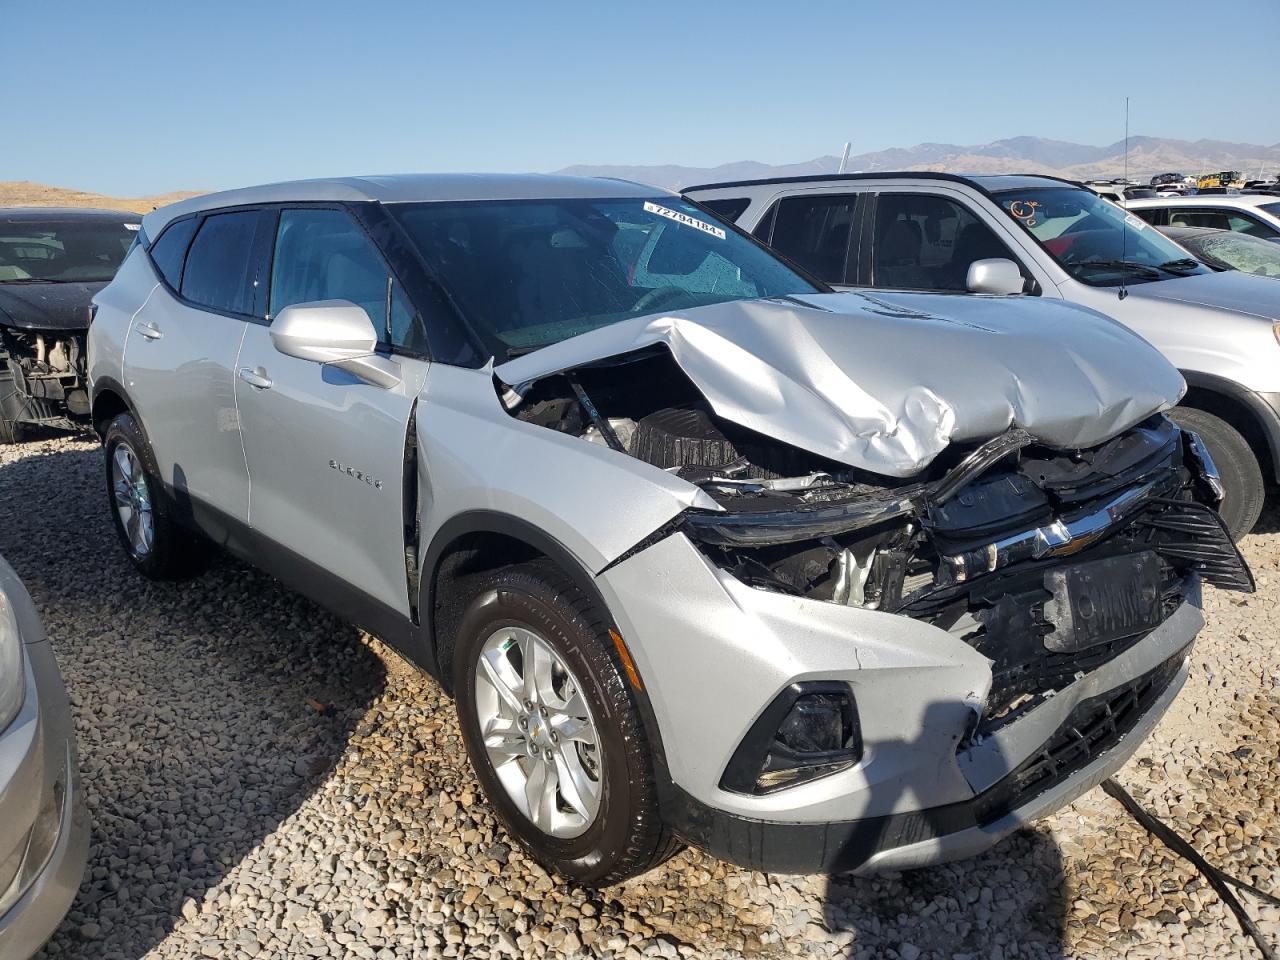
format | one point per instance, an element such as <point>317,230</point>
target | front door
<point>325,450</point>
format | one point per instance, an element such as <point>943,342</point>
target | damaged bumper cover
<point>1008,633</point>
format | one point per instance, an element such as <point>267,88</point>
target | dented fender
<point>473,456</point>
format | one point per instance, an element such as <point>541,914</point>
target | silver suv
<point>703,550</point>
<point>924,231</point>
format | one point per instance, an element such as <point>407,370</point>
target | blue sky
<point>141,97</point>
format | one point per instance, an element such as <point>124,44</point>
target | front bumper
<point>941,834</point>
<point>44,827</point>
<point>713,653</point>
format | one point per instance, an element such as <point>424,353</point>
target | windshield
<point>528,273</point>
<point>1271,208</point>
<point>62,251</point>
<point>1236,251</point>
<point>1094,240</point>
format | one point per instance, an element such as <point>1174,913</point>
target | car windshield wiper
<point>513,352</point>
<point>1150,273</point>
<point>1181,265</point>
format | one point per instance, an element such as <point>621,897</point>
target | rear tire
<point>141,512</point>
<point>1237,466</point>
<point>534,603</point>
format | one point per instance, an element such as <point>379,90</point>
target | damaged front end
<point>1049,562</point>
<point>46,370</point>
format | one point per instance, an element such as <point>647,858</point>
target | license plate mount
<point>1101,601</point>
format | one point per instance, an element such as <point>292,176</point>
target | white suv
<point>703,549</point>
<point>1048,238</point>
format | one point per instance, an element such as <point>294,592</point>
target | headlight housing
<point>12,681</point>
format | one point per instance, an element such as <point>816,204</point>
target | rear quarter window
<point>170,250</point>
<point>728,208</point>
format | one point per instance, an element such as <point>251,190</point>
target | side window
<point>730,208</point>
<point>1242,223</point>
<point>324,255</point>
<point>170,250</point>
<point>221,269</point>
<point>1198,218</point>
<point>927,242</point>
<point>1152,215</point>
<point>814,231</point>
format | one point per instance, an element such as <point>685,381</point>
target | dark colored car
<point>52,261</point>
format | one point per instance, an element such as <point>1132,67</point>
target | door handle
<point>150,331</point>
<point>256,380</point>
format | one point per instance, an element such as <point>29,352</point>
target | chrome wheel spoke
<point>537,667</point>
<point>578,729</point>
<point>120,490</point>
<point>504,741</point>
<point>123,468</point>
<point>540,795</point>
<point>538,732</point>
<point>576,787</point>
<point>507,689</point>
<point>145,529</point>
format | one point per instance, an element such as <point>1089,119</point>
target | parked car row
<point>827,524</point>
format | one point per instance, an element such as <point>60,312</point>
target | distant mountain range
<point>1147,156</point>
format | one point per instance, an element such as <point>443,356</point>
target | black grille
<point>1192,534</point>
<point>1092,728</point>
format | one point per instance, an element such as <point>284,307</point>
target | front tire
<point>552,727</point>
<point>1237,466</point>
<point>156,544</point>
<point>10,406</point>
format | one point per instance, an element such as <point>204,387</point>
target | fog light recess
<point>810,730</point>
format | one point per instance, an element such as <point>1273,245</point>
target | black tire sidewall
<point>519,599</point>
<point>1237,465</point>
<point>175,552</point>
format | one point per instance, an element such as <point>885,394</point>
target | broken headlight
<point>810,730</point>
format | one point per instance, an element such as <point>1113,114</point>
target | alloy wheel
<point>132,499</point>
<point>538,732</point>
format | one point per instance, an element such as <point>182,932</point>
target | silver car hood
<point>886,381</point>
<point>1232,290</point>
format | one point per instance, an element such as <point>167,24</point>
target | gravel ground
<point>265,781</point>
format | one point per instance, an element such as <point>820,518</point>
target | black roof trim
<point>972,180</point>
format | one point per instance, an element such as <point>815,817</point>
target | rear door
<point>181,349</point>
<point>817,231</point>
<point>325,450</point>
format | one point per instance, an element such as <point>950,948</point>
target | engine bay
<point>1049,562</point>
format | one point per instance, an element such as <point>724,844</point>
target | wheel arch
<point>1243,409</point>
<point>479,541</point>
<point>110,399</point>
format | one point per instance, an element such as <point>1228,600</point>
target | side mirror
<point>334,332</point>
<point>996,277</point>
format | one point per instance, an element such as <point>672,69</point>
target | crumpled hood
<point>47,306</point>
<point>1230,290</point>
<point>885,382</point>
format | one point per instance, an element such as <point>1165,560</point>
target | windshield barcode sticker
<point>684,218</point>
<point>1136,222</point>
<point>132,226</point>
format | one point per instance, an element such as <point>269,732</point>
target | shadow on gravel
<point>1009,900</point>
<point>204,710</point>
